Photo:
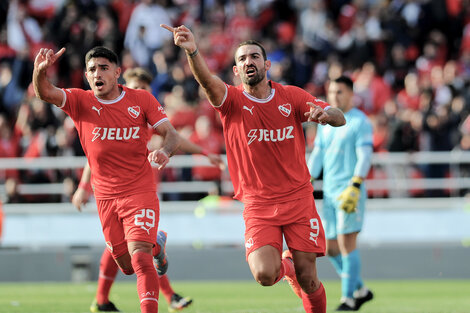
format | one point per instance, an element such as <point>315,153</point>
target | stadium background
<point>410,61</point>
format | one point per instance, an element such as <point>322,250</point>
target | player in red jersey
<point>111,121</point>
<point>136,78</point>
<point>265,144</point>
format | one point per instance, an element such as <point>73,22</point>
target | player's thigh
<point>305,232</point>
<point>265,261</point>
<point>113,230</point>
<point>260,233</point>
<point>347,223</point>
<point>140,214</point>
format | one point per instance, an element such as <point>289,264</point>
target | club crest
<point>134,111</point>
<point>285,109</point>
<point>110,246</point>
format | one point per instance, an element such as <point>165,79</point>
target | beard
<point>253,80</point>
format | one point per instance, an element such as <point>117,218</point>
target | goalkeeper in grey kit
<point>344,153</point>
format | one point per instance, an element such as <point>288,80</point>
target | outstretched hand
<point>46,57</point>
<point>216,160</point>
<point>183,37</point>
<point>80,198</point>
<point>317,114</point>
<point>160,157</point>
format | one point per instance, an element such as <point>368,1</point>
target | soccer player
<point>111,121</point>
<point>345,155</point>
<point>265,144</point>
<point>136,78</point>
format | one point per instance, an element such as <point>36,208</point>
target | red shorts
<point>129,218</point>
<point>297,220</point>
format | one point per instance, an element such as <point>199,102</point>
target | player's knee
<point>265,277</point>
<point>308,282</point>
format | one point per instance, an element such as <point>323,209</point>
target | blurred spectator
<point>144,34</point>
<point>317,29</point>
<point>12,193</point>
<point>408,98</point>
<point>23,30</point>
<point>371,88</point>
<point>410,61</point>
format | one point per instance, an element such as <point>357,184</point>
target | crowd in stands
<point>409,59</point>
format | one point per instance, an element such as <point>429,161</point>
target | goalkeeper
<point>344,154</point>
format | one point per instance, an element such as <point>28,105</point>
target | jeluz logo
<point>249,243</point>
<point>272,135</point>
<point>115,133</point>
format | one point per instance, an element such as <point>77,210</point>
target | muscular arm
<point>171,142</point>
<point>336,117</point>
<point>332,116</point>
<point>213,86</point>
<point>171,138</point>
<point>42,86</point>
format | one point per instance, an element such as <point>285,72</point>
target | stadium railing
<point>395,180</point>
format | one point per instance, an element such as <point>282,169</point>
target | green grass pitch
<point>400,296</point>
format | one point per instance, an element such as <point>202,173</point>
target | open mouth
<point>250,71</point>
<point>99,84</point>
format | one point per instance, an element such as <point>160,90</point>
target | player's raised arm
<point>213,86</point>
<point>42,86</point>
<point>332,116</point>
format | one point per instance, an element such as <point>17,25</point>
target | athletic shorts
<point>297,220</point>
<point>129,218</point>
<point>336,221</point>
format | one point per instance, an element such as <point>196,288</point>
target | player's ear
<point>267,64</point>
<point>118,72</point>
<point>235,70</point>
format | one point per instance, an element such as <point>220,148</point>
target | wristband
<point>194,53</point>
<point>84,185</point>
<point>356,181</point>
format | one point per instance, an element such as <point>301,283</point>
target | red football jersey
<point>265,143</point>
<point>114,135</point>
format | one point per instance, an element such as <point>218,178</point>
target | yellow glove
<point>350,196</point>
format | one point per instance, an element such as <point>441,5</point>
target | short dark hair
<point>345,80</point>
<point>102,52</point>
<point>139,73</point>
<point>256,43</point>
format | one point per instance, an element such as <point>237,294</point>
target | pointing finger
<point>60,52</point>
<point>169,28</point>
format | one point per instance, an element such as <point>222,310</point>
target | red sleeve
<point>73,97</point>
<point>227,102</point>
<point>300,97</point>
<point>153,110</point>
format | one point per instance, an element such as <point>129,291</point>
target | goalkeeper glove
<point>350,195</point>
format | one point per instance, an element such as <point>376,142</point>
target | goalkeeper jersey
<point>338,149</point>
